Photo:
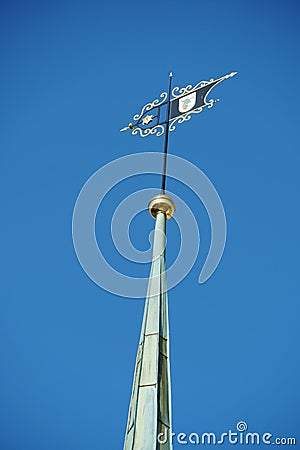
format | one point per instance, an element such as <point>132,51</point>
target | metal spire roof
<point>150,405</point>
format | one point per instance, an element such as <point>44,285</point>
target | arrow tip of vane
<point>229,75</point>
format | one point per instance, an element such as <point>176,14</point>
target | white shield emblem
<point>187,102</point>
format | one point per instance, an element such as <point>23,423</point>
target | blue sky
<point>74,73</point>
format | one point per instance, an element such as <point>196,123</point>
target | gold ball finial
<point>162,203</point>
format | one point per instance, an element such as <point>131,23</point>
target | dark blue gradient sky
<point>72,74</point>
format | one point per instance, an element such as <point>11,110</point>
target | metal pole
<point>164,170</point>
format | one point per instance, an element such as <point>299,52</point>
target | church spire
<point>150,405</point>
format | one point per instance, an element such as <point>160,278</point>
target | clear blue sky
<point>72,74</point>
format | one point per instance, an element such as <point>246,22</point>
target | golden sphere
<point>162,203</point>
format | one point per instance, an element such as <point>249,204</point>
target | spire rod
<point>164,170</point>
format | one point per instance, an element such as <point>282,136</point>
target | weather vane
<point>179,103</point>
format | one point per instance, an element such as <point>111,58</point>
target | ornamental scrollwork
<point>187,116</point>
<point>150,105</point>
<point>158,130</point>
<point>178,92</point>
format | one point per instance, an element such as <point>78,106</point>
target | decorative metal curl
<point>187,116</point>
<point>154,104</point>
<point>178,92</point>
<point>158,130</point>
